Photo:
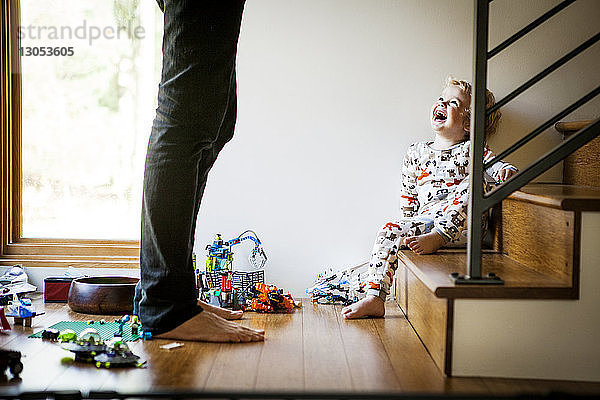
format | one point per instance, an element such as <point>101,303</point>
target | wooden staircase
<point>543,322</point>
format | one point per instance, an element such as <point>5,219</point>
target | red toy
<point>4,324</point>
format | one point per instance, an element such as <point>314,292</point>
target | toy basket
<point>242,280</point>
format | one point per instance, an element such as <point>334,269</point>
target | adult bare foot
<point>370,306</point>
<point>221,312</point>
<point>425,244</point>
<point>209,327</point>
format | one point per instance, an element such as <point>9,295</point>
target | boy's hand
<point>505,174</point>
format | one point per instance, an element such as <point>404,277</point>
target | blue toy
<point>343,286</point>
<point>220,256</point>
<point>121,322</point>
<point>218,284</point>
<point>22,311</point>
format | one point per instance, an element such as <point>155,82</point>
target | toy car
<point>117,354</point>
<point>85,346</point>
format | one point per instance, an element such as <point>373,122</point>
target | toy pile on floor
<point>13,286</point>
<point>342,286</point>
<point>221,286</point>
<point>98,342</point>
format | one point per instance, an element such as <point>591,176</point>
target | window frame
<point>14,248</point>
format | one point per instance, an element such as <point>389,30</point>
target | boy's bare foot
<point>221,312</point>
<point>370,306</point>
<point>209,327</point>
<point>425,244</point>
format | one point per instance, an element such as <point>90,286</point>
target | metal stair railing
<point>480,202</point>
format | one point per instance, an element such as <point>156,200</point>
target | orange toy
<point>267,298</point>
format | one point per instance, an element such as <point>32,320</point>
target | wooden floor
<point>310,350</point>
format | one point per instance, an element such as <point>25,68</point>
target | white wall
<point>331,93</point>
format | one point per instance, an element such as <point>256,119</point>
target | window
<point>79,81</point>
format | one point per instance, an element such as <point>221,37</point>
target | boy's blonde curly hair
<point>492,121</point>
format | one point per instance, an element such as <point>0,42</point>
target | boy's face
<point>448,114</point>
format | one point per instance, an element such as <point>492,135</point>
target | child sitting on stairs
<point>434,196</point>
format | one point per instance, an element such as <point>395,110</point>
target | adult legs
<point>194,119</point>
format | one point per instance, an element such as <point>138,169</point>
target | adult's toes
<point>246,338</point>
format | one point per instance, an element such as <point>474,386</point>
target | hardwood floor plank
<point>414,368</point>
<point>325,364</point>
<point>236,364</point>
<point>370,366</point>
<point>186,368</point>
<point>36,357</point>
<point>281,365</point>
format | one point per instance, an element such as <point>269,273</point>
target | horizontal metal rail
<point>545,17</point>
<point>544,73</point>
<point>542,128</point>
<point>541,165</point>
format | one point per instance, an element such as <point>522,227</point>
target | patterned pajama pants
<point>384,262</point>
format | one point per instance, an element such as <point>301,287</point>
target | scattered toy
<point>218,284</point>
<point>170,346</point>
<point>135,325</point>
<point>16,274</point>
<point>4,324</point>
<point>117,354</point>
<point>50,334</point>
<point>220,256</point>
<point>67,335</point>
<point>343,286</point>
<point>121,322</point>
<point>89,347</point>
<point>22,311</point>
<point>85,346</point>
<point>106,330</point>
<point>267,298</point>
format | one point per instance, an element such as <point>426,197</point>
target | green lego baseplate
<point>106,330</point>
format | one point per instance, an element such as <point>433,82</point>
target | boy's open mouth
<point>439,114</point>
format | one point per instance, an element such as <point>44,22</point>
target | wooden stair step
<point>583,166</point>
<point>520,281</point>
<point>560,196</point>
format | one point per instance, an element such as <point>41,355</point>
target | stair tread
<point>521,282</point>
<point>561,196</point>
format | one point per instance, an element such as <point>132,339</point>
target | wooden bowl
<point>107,295</point>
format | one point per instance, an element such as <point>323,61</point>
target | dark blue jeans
<point>195,118</point>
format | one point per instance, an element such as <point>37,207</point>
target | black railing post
<point>477,136</point>
<point>480,36</point>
